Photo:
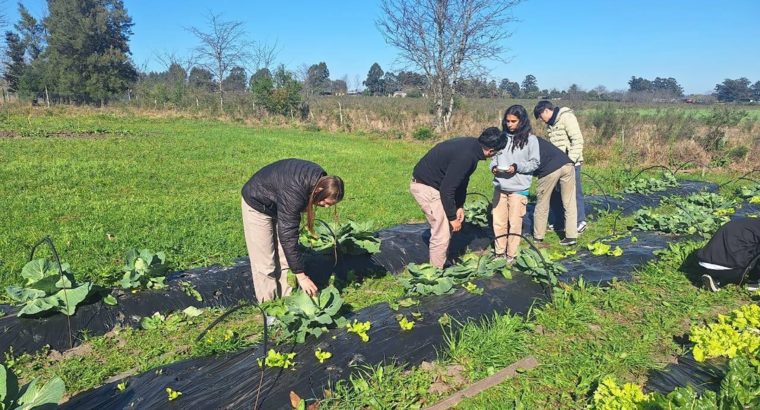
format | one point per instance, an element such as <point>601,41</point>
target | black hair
<point>520,135</point>
<point>492,138</point>
<point>541,106</point>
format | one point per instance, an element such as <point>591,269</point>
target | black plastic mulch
<point>687,372</point>
<point>232,381</point>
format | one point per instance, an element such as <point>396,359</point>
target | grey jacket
<point>526,159</point>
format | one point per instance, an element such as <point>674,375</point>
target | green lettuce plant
<point>144,269</point>
<point>45,289</point>
<point>311,316</point>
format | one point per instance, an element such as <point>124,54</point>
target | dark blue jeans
<point>557,211</point>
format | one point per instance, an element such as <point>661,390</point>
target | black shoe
<point>568,242</point>
<point>709,283</point>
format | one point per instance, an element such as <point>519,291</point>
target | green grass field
<point>100,184</point>
<point>110,184</point>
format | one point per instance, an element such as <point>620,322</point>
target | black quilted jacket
<point>281,190</point>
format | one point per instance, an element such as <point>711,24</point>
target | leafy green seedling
<point>405,324</point>
<point>473,288</point>
<point>121,386</point>
<point>444,320</point>
<point>189,290</point>
<point>360,328</point>
<point>322,355</point>
<point>172,394</point>
<point>277,359</point>
<point>599,249</point>
<point>110,300</point>
<point>144,269</point>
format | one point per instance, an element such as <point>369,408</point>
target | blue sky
<point>590,43</point>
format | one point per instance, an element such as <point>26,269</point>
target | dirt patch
<point>84,349</point>
<point>65,134</point>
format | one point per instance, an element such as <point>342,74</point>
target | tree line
<point>79,53</point>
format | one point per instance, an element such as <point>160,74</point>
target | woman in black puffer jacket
<point>273,200</point>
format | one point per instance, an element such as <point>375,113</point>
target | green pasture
<point>100,185</point>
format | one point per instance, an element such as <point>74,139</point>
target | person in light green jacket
<point>565,133</point>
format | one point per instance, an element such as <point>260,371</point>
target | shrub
<point>423,134</point>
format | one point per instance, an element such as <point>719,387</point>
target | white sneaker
<point>709,283</point>
<point>752,286</point>
<point>582,226</point>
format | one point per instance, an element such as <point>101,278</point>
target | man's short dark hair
<point>541,106</point>
<point>492,138</point>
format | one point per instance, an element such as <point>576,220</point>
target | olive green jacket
<point>566,135</point>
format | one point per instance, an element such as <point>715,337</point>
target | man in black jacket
<point>439,184</point>
<point>731,254</point>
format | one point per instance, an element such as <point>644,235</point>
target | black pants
<point>734,276</point>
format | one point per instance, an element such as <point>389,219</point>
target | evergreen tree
<point>510,88</point>
<point>14,65</point>
<point>32,33</point>
<point>530,86</point>
<point>261,86</point>
<point>756,91</point>
<point>732,90</point>
<point>235,82</point>
<point>374,82</point>
<point>87,54</point>
<point>318,79</point>
<point>201,79</point>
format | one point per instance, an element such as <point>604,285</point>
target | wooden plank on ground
<point>527,363</point>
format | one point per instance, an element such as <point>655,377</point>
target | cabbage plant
<point>45,289</point>
<point>353,238</point>
<point>306,315</point>
<point>144,269</point>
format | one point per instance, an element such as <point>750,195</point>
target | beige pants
<point>508,212</point>
<point>429,200</point>
<point>566,178</point>
<point>269,267</point>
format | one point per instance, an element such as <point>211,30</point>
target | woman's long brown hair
<point>328,187</point>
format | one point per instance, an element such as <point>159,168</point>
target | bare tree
<point>169,58</point>
<point>264,55</point>
<point>221,48</point>
<point>447,40</point>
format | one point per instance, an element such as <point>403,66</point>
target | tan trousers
<point>269,267</point>
<point>566,178</point>
<point>508,212</point>
<point>429,200</point>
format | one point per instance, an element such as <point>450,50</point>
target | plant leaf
<point>35,397</point>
